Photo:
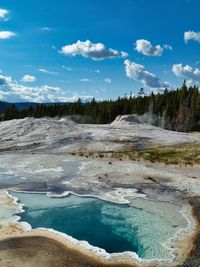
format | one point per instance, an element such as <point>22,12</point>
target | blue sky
<point>61,50</point>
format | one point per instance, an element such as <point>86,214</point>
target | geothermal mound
<point>125,120</point>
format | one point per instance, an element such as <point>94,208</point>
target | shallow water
<point>142,227</point>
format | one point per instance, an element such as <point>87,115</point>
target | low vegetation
<point>184,154</point>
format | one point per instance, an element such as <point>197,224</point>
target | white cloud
<point>28,78</point>
<point>169,47</point>
<point>146,48</point>
<point>75,97</point>
<point>6,34</point>
<point>95,51</point>
<point>47,72</point>
<point>191,35</point>
<point>46,29</point>
<point>107,80</point>
<point>52,89</point>
<point>4,80</point>
<point>67,68</point>
<point>138,73</point>
<point>3,14</point>
<point>192,75</point>
<point>85,80</point>
<point>12,91</point>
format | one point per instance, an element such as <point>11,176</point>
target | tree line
<point>177,110</point>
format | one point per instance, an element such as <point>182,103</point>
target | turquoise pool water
<point>141,226</point>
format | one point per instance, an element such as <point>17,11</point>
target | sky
<point>58,51</point>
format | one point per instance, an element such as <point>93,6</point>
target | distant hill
<point>19,106</point>
<point>23,105</point>
<point>3,106</point>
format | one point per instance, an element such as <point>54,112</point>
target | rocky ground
<point>108,161</point>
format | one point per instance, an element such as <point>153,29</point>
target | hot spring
<point>143,226</point>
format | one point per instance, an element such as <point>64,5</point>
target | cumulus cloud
<point>52,89</point>
<point>75,97</point>
<point>6,34</point>
<point>3,14</point>
<point>4,80</point>
<point>28,78</point>
<point>95,51</point>
<point>146,48</point>
<point>138,73</point>
<point>107,80</point>
<point>191,35</point>
<point>192,75</point>
<point>12,91</point>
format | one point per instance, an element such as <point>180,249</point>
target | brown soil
<point>44,252</point>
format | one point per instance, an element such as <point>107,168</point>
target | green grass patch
<point>182,154</point>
